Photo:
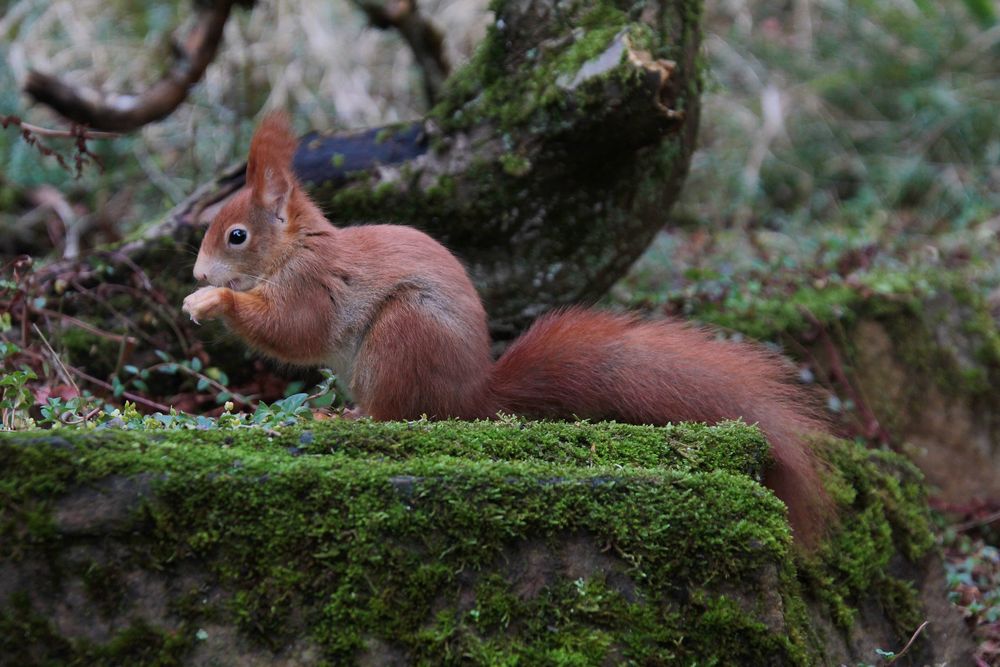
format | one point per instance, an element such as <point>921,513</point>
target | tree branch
<point>81,134</point>
<point>124,113</point>
<point>423,37</point>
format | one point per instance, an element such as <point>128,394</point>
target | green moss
<point>104,586</point>
<point>515,165</point>
<point>483,90</point>
<point>419,536</point>
<point>383,190</point>
<point>721,615</point>
<point>939,323</point>
<point>903,603</point>
<point>770,310</point>
<point>28,638</point>
<point>768,317</point>
<point>945,336</point>
<point>885,500</point>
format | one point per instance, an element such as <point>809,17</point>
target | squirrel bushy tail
<point>599,365</point>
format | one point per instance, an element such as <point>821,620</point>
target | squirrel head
<point>249,238</point>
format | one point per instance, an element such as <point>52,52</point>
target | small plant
<point>298,406</point>
<point>15,395</point>
<point>972,571</point>
<point>87,411</point>
<point>206,378</point>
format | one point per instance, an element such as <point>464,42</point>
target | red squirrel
<point>395,314</point>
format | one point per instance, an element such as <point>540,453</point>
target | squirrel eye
<point>237,236</point>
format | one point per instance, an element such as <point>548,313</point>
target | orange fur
<point>270,161</point>
<point>598,365</point>
<point>395,313</point>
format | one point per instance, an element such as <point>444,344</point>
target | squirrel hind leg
<point>414,363</point>
<point>354,413</point>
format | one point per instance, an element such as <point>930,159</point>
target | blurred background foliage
<point>843,143</point>
<point>838,133</point>
<point>318,59</point>
<point>829,125</point>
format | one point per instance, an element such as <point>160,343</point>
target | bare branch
<point>81,134</point>
<point>977,523</point>
<point>124,113</point>
<point>908,644</point>
<point>424,38</point>
<point>75,132</point>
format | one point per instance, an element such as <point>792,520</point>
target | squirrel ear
<point>269,167</point>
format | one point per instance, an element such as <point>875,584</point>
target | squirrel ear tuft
<point>269,167</point>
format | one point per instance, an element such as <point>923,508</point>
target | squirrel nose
<point>200,275</point>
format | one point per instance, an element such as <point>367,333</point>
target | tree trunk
<point>549,163</point>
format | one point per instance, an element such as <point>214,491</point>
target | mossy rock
<point>446,543</point>
<point>921,350</point>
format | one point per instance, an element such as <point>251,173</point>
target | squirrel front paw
<point>204,303</point>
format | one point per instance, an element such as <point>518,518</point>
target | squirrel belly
<point>396,311</point>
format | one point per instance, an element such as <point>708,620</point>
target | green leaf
<point>292,403</point>
<point>218,375</point>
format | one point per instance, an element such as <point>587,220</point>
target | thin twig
<point>214,384</point>
<point>908,644</point>
<point>62,367</point>
<point>80,133</point>
<point>89,328</point>
<point>873,428</point>
<point>147,284</point>
<point>977,523</point>
<point>75,132</point>
<point>163,313</point>
<point>129,395</point>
